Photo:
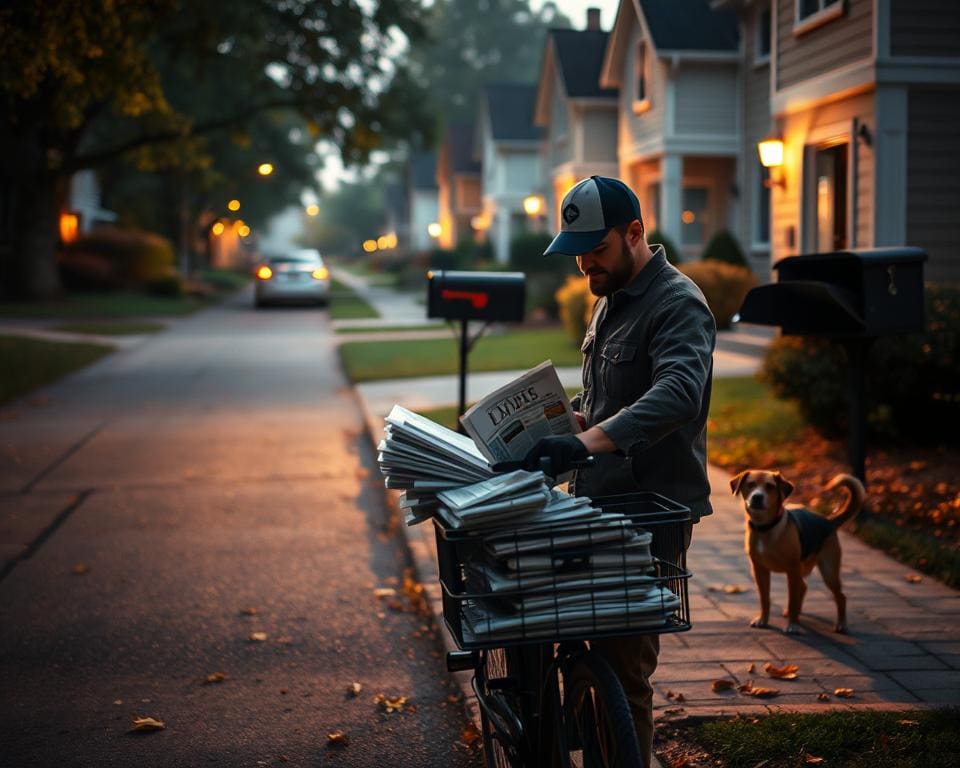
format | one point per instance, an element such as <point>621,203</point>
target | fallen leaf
<point>285,640</point>
<point>469,735</point>
<point>390,704</point>
<point>147,725</point>
<point>337,739</point>
<point>813,759</point>
<point>749,689</point>
<point>908,722</point>
<point>787,672</point>
<point>384,592</point>
<point>80,568</point>
<point>823,697</point>
<point>258,637</point>
<point>722,685</point>
<point>751,668</point>
<point>914,578</point>
<point>733,589</point>
<point>118,702</point>
<point>249,611</point>
<point>354,689</point>
<point>679,698</point>
<point>843,693</point>
<point>215,677</point>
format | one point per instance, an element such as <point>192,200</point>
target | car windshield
<point>306,257</point>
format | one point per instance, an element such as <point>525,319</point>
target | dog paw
<point>840,628</point>
<point>759,623</point>
<point>793,629</point>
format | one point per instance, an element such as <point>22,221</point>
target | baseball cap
<point>589,210</point>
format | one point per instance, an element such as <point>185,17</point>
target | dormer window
<point>641,99</point>
<point>812,13</point>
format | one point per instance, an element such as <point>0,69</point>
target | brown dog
<point>792,540</point>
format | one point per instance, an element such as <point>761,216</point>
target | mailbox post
<point>855,296</point>
<point>465,296</point>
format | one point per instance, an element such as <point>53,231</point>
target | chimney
<point>593,19</point>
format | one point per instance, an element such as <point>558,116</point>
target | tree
<point>84,84</point>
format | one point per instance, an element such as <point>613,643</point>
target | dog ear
<point>737,480</point>
<point>785,486</point>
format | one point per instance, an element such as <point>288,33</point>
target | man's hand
<point>559,451</point>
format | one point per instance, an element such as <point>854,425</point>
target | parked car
<point>298,275</point>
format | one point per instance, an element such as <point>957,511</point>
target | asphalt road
<point>209,484</point>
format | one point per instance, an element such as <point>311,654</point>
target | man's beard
<point>604,283</point>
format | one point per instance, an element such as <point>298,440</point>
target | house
<point>458,185</point>
<point>578,116</point>
<point>84,207</point>
<point>864,100</point>
<point>676,64</point>
<point>422,196</point>
<point>508,147</point>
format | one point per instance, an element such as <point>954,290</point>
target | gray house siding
<point>833,45</point>
<point>600,132</point>
<point>933,179</point>
<point>647,127</point>
<point>924,28</point>
<point>757,125</point>
<point>706,99</point>
<point>561,139</point>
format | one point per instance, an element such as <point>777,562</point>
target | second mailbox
<point>491,296</point>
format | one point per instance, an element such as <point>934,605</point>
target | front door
<point>830,166</point>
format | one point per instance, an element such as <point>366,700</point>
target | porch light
<point>265,169</point>
<point>243,231</point>
<point>69,227</point>
<point>434,229</point>
<point>234,205</point>
<point>313,209</point>
<point>369,246</point>
<point>217,228</point>
<point>771,156</point>
<point>533,205</point>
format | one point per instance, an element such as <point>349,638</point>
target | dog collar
<point>769,526</point>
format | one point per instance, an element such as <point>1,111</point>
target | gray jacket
<point>647,370</point>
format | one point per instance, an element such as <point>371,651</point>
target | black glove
<point>555,455</point>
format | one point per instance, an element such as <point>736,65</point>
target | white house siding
<point>522,173</point>
<point>706,101</point>
<point>818,51</point>
<point>600,134</point>
<point>423,212</point>
<point>924,27</point>
<point>812,127</point>
<point>933,179</point>
<point>640,134</point>
<point>560,128</point>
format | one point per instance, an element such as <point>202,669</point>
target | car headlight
<point>321,273</point>
<point>264,273</point>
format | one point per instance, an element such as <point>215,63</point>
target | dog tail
<point>851,506</point>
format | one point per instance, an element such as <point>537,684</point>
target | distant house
<point>397,212</point>
<point>458,185</point>
<point>578,116</point>
<point>865,97</point>
<point>508,146</point>
<point>85,202</point>
<point>422,197</point>
<point>676,65</point>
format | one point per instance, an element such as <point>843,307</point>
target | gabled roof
<point>510,109</point>
<point>423,170</point>
<point>579,56</point>
<point>458,138</point>
<point>674,28</point>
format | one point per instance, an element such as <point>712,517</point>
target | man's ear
<point>737,480</point>
<point>784,485</point>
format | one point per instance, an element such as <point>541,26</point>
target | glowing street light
<point>533,204</point>
<point>234,205</point>
<point>434,230</point>
<point>313,209</point>
<point>369,246</point>
<point>243,231</point>
<point>265,169</point>
<point>217,228</point>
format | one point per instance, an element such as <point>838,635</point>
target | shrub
<point>170,284</point>
<point>673,253</point>
<point>723,246</point>
<point>134,256</point>
<point>440,258</point>
<point>526,252</point>
<point>87,272</point>
<point>545,274</point>
<point>575,304</point>
<point>912,381</point>
<point>723,285</point>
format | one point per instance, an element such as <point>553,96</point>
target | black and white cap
<point>590,209</point>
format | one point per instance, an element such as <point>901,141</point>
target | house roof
<point>690,25</point>
<point>510,108</point>
<point>579,56</point>
<point>459,140</point>
<point>423,170</point>
<point>675,28</point>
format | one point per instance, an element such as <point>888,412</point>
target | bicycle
<point>545,698</point>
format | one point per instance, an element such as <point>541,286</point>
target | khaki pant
<point>634,659</point>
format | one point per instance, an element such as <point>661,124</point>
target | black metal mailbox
<point>490,296</point>
<point>856,293</point>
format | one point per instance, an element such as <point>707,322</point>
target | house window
<point>830,165</point>
<point>763,29</point>
<point>761,221</point>
<point>653,206</point>
<point>812,13</point>
<point>693,216</point>
<point>641,99</point>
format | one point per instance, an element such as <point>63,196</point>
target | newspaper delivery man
<point>647,368</point>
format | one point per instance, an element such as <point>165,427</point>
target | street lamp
<point>369,246</point>
<point>313,209</point>
<point>234,205</point>
<point>265,169</point>
<point>533,204</point>
<point>217,228</point>
<point>434,230</point>
<point>243,231</point>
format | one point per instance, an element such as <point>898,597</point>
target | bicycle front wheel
<point>597,715</point>
<point>498,709</point>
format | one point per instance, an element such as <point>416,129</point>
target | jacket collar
<point>639,285</point>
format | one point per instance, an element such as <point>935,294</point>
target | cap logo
<point>571,213</point>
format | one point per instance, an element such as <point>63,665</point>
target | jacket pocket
<point>618,371</point>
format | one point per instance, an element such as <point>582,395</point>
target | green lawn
<point>96,305</point>
<point>515,350</point>
<point>110,329</point>
<point>919,739</point>
<point>31,363</point>
<point>347,305</point>
<point>394,329</point>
